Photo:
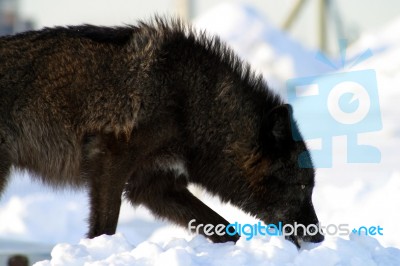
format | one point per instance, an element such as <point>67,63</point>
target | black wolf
<point>143,110</point>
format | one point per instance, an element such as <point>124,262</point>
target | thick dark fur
<point>143,110</point>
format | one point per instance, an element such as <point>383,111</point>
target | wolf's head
<point>280,177</point>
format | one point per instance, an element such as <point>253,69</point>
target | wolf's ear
<point>276,127</point>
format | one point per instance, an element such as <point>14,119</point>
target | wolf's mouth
<point>295,240</point>
<point>298,240</point>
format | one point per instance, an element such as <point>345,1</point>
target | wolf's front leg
<point>5,166</point>
<point>105,203</point>
<point>107,167</point>
<point>168,197</point>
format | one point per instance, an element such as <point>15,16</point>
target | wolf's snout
<point>313,235</point>
<point>314,238</point>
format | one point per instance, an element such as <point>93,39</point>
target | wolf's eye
<point>303,186</point>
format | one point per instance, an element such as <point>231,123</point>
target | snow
<point>353,194</point>
<point>115,250</point>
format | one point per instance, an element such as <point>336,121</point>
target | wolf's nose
<point>316,238</point>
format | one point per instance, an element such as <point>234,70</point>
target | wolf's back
<point>56,86</point>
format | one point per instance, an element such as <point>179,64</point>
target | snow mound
<point>115,250</point>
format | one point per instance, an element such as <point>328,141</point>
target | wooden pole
<point>322,29</point>
<point>184,9</point>
<point>293,14</point>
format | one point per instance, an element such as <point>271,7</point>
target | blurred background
<point>281,40</point>
<point>314,23</point>
<point>284,32</point>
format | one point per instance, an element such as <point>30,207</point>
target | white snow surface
<point>116,250</point>
<point>353,194</point>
